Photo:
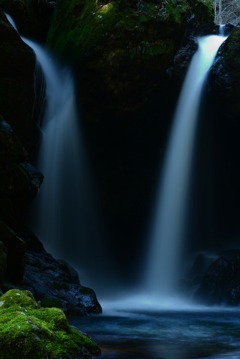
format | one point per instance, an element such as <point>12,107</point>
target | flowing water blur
<point>65,215</point>
<point>170,213</point>
<point>168,334</point>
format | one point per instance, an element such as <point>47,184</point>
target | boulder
<point>221,282</point>
<point>29,331</point>
<point>55,283</point>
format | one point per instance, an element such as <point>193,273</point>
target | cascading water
<point>65,217</point>
<point>168,229</point>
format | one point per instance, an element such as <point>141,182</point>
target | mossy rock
<point>86,290</point>
<point>28,331</point>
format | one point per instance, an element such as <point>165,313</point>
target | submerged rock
<point>55,283</point>
<point>28,331</point>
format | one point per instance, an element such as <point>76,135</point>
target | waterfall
<point>169,219</point>
<point>65,219</point>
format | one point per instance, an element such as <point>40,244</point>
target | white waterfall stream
<point>65,214</point>
<point>168,228</point>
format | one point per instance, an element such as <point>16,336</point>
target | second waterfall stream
<point>65,217</point>
<point>167,232</point>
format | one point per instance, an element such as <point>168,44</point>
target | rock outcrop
<point>55,283</point>
<point>32,17</point>
<point>224,77</point>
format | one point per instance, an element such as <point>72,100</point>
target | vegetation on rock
<point>28,331</point>
<point>79,26</point>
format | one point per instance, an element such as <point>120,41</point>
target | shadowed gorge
<point>119,147</point>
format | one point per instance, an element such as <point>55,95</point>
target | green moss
<point>86,290</point>
<point>51,302</point>
<point>16,298</point>
<point>21,170</point>
<point>79,27</point>
<point>30,332</point>
<point>60,286</point>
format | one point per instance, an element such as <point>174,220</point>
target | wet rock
<point>183,57</point>
<point>54,282</point>
<point>221,282</point>
<point>224,78</point>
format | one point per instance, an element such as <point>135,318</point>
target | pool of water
<point>165,334</point>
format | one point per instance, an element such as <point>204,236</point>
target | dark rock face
<point>121,50</point>
<point>17,97</point>
<point>224,77</point>
<point>19,181</point>
<point>16,249</point>
<point>31,17</point>
<point>55,282</point>
<point>221,283</point>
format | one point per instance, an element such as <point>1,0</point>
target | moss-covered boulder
<point>32,17</point>
<point>28,331</point>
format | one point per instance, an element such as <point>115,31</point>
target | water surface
<point>167,334</point>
